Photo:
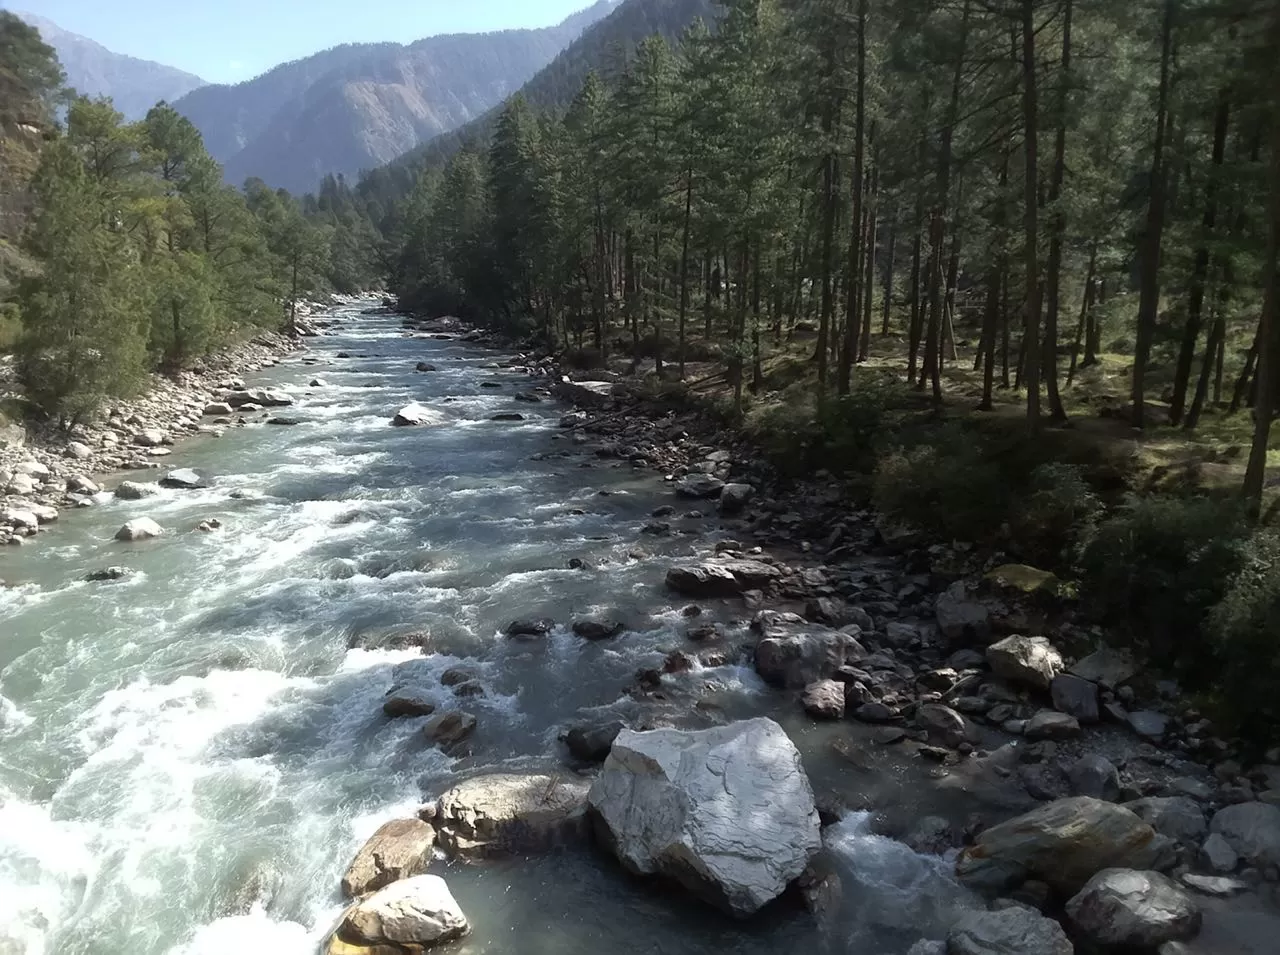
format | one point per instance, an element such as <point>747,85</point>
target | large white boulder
<point>1124,908</point>
<point>139,529</point>
<point>416,415</point>
<point>727,812</point>
<point>408,915</point>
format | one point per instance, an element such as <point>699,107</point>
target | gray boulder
<point>699,486</point>
<point>1015,930</point>
<point>1125,908</point>
<point>735,497</point>
<point>823,700</point>
<point>961,616</point>
<point>133,491</point>
<point>727,812</point>
<point>1075,697</point>
<point>598,628</point>
<point>1216,854</point>
<point>508,813</point>
<point>1064,843</point>
<point>1050,724</point>
<point>416,415</point>
<point>1096,776</point>
<point>791,652</point>
<point>1030,660</point>
<point>400,849</point>
<point>139,529</point>
<point>1252,829</point>
<point>1178,817</point>
<point>1148,724</point>
<point>407,916</point>
<point>591,743</point>
<point>721,577</point>
<point>184,478</point>
<point>1111,668</point>
<point>945,724</point>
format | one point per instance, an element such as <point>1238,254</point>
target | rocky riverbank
<point>1111,815</point>
<point>44,471</point>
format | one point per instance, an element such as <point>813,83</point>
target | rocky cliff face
<point>356,107</point>
<point>134,85</point>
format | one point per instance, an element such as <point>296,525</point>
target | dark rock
<point>1076,697</point>
<point>590,744</point>
<point>1096,776</point>
<point>530,628</point>
<point>109,573</point>
<point>407,702</point>
<point>598,628</point>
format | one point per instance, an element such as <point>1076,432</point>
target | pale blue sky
<point>225,41</point>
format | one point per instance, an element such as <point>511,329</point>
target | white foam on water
<point>254,932</point>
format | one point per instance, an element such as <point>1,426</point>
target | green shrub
<point>950,486</point>
<point>1055,516</point>
<point>1245,628</point>
<point>1157,567</point>
<point>841,437</point>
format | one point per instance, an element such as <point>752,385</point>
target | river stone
<point>1177,817</point>
<point>405,917</point>
<point>24,518</point>
<point>425,366</point>
<point>406,701</point>
<point>735,497</point>
<point>727,812</point>
<point>217,409</point>
<point>1252,829</point>
<point>80,484</point>
<point>183,478</point>
<point>507,813</point>
<point>721,577</point>
<point>1108,667</point>
<point>699,486</point>
<point>791,652</point>
<point>1050,724</point>
<point>1215,885</point>
<point>260,397</point>
<point>943,723</point>
<point>591,744</point>
<point>139,529</point>
<point>399,850</point>
<point>1075,697</point>
<point>449,729</point>
<point>530,628</point>
<point>1216,854</point>
<point>1096,776</point>
<point>1030,660</point>
<point>960,616</point>
<point>133,491</point>
<point>20,484</point>
<point>413,415</point>
<point>1124,908</point>
<point>824,700</point>
<point>598,628</point>
<point>108,573</point>
<point>1064,843</point>
<point>1148,724</point>
<point>150,438</point>
<point>1016,930</point>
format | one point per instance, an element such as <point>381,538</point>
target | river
<point>190,757</point>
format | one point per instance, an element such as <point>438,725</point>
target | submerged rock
<point>1064,843</point>
<point>407,916</point>
<point>108,573</point>
<point>1015,930</point>
<point>399,850</point>
<point>1124,908</point>
<point>506,813</point>
<point>727,812</point>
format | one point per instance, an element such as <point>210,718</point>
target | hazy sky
<point>229,40</point>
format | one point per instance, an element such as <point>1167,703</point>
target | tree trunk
<point>1212,356</point>
<point>1149,279</point>
<point>1086,308</point>
<point>1200,267</point>
<point>869,282</point>
<point>853,279</point>
<point>933,336</point>
<point>684,263</point>
<point>914,329</point>
<point>1031,340</point>
<point>1057,413</point>
<point>888,273</point>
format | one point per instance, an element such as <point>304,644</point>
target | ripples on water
<point>189,758</point>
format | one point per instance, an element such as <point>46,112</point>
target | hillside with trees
<point>956,252</point>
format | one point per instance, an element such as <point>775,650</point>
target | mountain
<point>358,106</point>
<point>602,48</point>
<point>134,85</point>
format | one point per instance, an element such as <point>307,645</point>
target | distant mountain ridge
<point>134,85</point>
<point>358,106</point>
<point>602,48</point>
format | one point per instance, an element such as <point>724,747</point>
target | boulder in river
<point>80,484</point>
<point>507,416</point>
<point>408,916</point>
<point>735,497</point>
<point>185,478</point>
<point>217,409</point>
<point>727,812</point>
<point>108,573</point>
<point>530,627</point>
<point>139,529</point>
<point>425,366</point>
<point>1015,930</point>
<point>1030,660</point>
<point>793,652</point>
<point>416,415</point>
<point>407,701</point>
<point>598,628</point>
<point>721,577</point>
<point>1129,909</point>
<point>507,813</point>
<point>400,849</point>
<point>150,438</point>
<point>591,743</point>
<point>450,729</point>
<point>699,486</point>
<point>135,491</point>
<point>1064,843</point>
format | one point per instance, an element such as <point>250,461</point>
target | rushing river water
<point>189,758</point>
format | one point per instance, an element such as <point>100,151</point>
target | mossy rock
<point>1023,579</point>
